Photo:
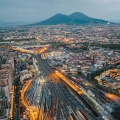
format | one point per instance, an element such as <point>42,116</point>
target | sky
<point>38,10</point>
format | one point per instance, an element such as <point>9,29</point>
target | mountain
<point>74,18</point>
<point>56,19</point>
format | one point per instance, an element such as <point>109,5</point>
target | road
<point>16,83</point>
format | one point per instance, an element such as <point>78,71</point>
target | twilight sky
<point>37,10</point>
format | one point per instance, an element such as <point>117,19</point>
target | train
<point>109,108</point>
<point>72,116</point>
<point>75,84</point>
<point>83,115</point>
<point>77,80</point>
<point>90,93</point>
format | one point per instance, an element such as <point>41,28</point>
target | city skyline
<point>38,10</point>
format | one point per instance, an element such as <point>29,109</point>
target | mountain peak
<point>79,15</point>
<point>58,15</point>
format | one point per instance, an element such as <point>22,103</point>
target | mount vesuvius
<point>74,18</point>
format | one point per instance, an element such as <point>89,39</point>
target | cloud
<point>34,10</point>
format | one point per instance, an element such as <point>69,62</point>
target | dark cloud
<point>35,10</point>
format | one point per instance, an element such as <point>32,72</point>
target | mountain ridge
<point>74,18</point>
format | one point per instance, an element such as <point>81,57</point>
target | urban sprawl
<point>60,72</point>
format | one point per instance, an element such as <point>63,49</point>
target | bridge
<point>23,50</point>
<point>28,46</point>
<point>48,44</point>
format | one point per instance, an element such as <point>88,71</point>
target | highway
<point>14,111</point>
<point>17,93</point>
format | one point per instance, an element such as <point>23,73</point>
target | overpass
<point>46,45</point>
<point>38,51</point>
<point>27,46</point>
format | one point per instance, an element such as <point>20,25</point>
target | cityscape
<point>66,67</point>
